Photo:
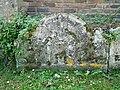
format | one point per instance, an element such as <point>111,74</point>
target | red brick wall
<point>69,6</point>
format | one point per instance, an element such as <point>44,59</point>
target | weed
<point>45,79</point>
<point>19,27</point>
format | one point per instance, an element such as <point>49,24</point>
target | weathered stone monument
<point>115,51</point>
<point>62,40</point>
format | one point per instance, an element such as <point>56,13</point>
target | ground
<point>60,80</point>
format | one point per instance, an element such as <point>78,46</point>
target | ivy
<point>21,25</point>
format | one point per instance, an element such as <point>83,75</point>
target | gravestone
<point>61,40</point>
<point>115,51</point>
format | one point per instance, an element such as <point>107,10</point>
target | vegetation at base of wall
<point>101,20</point>
<point>59,80</point>
<point>105,23</point>
<point>20,25</point>
<point>112,35</point>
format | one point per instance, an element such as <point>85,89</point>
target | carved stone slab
<point>62,40</point>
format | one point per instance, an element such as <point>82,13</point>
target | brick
<point>89,11</point>
<point>28,0</point>
<point>66,5</point>
<point>83,11</point>
<point>31,9</point>
<point>63,1</point>
<point>70,5</point>
<point>42,9</point>
<point>36,0</point>
<point>54,9</point>
<point>32,13</point>
<point>117,1</point>
<point>24,4</point>
<point>115,6</point>
<point>91,5</point>
<point>46,4</point>
<point>71,10</point>
<point>97,10</point>
<point>41,4</point>
<point>109,1</point>
<point>75,5</point>
<point>95,1</point>
<point>34,4</point>
<point>80,1</point>
<point>41,0</point>
<point>103,5</point>
<point>110,10</point>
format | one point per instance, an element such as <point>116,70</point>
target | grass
<point>59,80</point>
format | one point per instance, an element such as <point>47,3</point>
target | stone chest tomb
<point>62,40</point>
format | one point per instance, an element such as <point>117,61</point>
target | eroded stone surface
<point>62,39</point>
<point>115,51</point>
<point>8,8</point>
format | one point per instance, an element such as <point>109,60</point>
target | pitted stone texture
<point>99,44</point>
<point>115,51</point>
<point>59,38</point>
<point>8,8</point>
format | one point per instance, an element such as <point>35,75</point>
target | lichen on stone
<point>63,40</point>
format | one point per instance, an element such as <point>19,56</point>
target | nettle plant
<point>20,25</point>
